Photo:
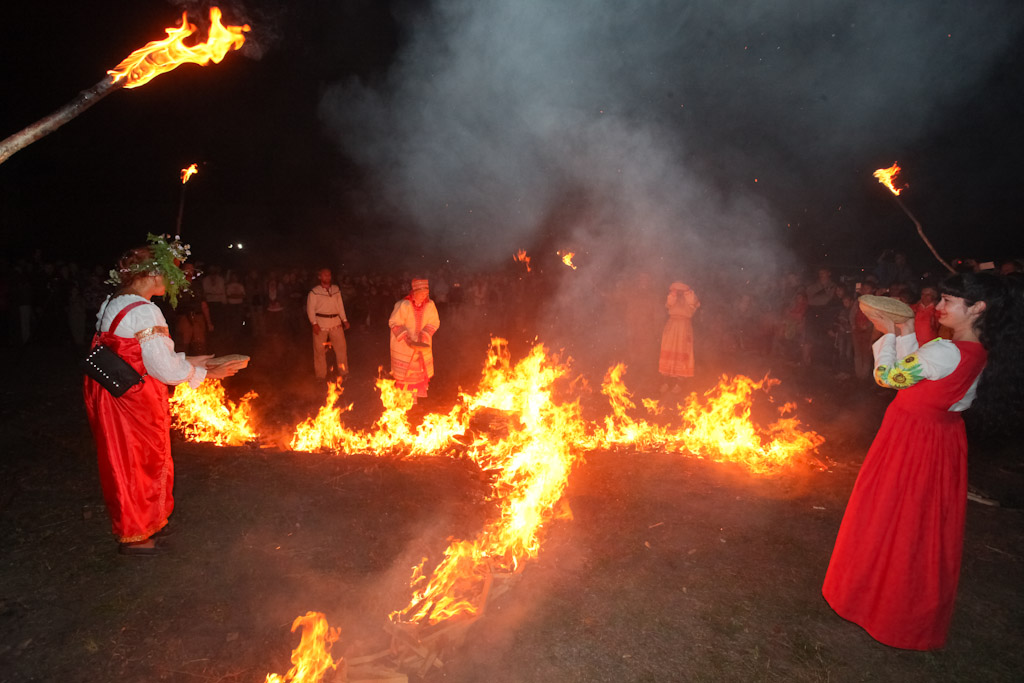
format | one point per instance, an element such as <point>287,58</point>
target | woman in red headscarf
<point>413,323</point>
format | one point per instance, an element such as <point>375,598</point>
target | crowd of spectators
<point>812,319</point>
<point>806,318</point>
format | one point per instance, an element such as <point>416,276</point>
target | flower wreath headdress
<point>167,256</point>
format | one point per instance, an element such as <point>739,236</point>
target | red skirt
<point>133,448</point>
<point>896,563</point>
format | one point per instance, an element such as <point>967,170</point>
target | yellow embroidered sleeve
<point>145,334</point>
<point>902,374</point>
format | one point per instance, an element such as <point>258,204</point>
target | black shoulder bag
<point>110,371</point>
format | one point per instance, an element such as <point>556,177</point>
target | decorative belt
<point>328,315</point>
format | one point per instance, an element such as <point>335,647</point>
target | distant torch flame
<point>161,56</point>
<point>886,176</point>
<point>187,173</point>
<point>522,258</point>
<point>567,258</point>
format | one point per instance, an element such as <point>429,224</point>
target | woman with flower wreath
<point>896,562</point>
<point>132,432</point>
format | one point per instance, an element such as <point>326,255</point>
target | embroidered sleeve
<point>151,331</point>
<point>901,374</point>
<point>934,360</point>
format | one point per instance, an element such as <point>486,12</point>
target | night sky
<point>684,135</point>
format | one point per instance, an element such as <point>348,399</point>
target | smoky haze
<point>632,132</point>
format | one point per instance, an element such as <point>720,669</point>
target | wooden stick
<point>920,232</point>
<point>47,125</point>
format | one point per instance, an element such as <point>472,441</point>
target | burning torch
<point>186,173</point>
<point>886,176</point>
<point>140,67</point>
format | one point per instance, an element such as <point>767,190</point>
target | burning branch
<point>887,176</point>
<point>137,69</point>
<point>186,173</point>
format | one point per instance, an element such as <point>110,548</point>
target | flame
<point>522,258</point>
<point>187,173</point>
<point>567,258</point>
<point>717,426</point>
<point>530,465</point>
<point>886,176</point>
<point>524,429</point>
<point>204,414</point>
<point>312,658</point>
<point>161,56</point>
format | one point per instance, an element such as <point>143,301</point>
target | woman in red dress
<point>896,563</point>
<point>132,432</point>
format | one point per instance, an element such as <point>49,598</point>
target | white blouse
<point>901,356</point>
<point>147,324</point>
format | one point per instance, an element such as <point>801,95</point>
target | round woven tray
<point>886,306</point>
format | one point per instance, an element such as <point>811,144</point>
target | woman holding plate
<point>132,430</point>
<point>896,562</point>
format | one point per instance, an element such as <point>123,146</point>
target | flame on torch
<point>886,176</point>
<point>187,173</point>
<point>522,258</point>
<point>161,56</point>
<point>138,68</point>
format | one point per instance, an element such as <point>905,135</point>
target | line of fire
<point>524,426</point>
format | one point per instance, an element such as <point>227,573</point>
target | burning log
<point>886,176</point>
<point>137,69</point>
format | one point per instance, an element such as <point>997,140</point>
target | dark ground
<point>672,569</point>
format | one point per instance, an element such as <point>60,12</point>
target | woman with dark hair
<point>132,431</point>
<point>896,563</point>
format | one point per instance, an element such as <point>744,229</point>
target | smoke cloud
<point>633,132</point>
